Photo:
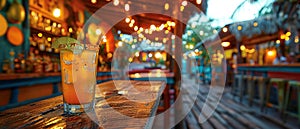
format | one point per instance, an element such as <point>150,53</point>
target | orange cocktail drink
<point>78,79</point>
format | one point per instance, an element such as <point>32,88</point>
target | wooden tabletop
<point>119,104</point>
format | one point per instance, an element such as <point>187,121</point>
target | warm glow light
<point>288,34</point>
<point>252,50</point>
<point>173,37</point>
<point>270,53</point>
<point>70,30</point>
<point>164,40</point>
<point>157,55</point>
<point>287,38</point>
<point>225,29</point>
<point>282,36</point>
<point>152,27</point>
<point>116,2</point>
<point>243,47</point>
<point>173,24</point>
<point>201,32</point>
<point>133,46</point>
<point>127,7</point>
<point>127,20</point>
<point>161,27</point>
<point>197,50</point>
<point>198,1</point>
<point>191,46</point>
<point>278,41</point>
<point>225,44</point>
<point>132,21</point>
<point>104,40</point>
<point>56,12</point>
<point>109,55</point>
<point>240,28</point>
<point>141,29</point>
<point>120,44</point>
<point>49,39</point>
<point>130,59</point>
<point>184,3</point>
<point>137,54</point>
<point>255,24</point>
<point>167,6</point>
<point>150,55</point>
<point>130,25</point>
<point>215,31</point>
<point>94,1</point>
<point>136,28</point>
<point>296,39</point>
<point>181,8</point>
<point>98,32</point>
<point>40,35</point>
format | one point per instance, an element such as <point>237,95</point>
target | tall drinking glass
<point>78,80</point>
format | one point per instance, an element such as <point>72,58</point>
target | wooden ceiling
<point>141,20</point>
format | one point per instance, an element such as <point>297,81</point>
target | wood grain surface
<point>119,104</point>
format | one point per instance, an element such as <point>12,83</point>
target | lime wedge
<point>65,43</point>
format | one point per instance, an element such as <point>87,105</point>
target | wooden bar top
<point>119,104</point>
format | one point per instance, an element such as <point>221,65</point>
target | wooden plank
<point>49,112</point>
<point>192,122</point>
<point>233,122</point>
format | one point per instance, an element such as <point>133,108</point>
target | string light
<point>167,6</point>
<point>56,12</point>
<point>184,3</point>
<point>240,28</point>
<point>135,28</point>
<point>255,24</point>
<point>225,29</point>
<point>243,47</point>
<point>288,34</point>
<point>278,41</point>
<point>198,1</point>
<point>94,1</point>
<point>225,44</point>
<point>127,7</point>
<point>181,8</point>
<point>116,2</point>
<point>132,21</point>
<point>127,20</point>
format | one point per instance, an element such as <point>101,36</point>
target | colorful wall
<point>5,45</point>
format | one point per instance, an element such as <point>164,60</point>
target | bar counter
<point>118,105</point>
<point>17,89</point>
<point>284,71</point>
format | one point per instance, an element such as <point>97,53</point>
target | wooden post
<point>177,71</point>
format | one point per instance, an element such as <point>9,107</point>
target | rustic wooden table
<point>119,104</point>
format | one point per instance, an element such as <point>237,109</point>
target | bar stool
<point>243,88</point>
<point>292,85</point>
<point>250,89</point>
<point>236,83</point>
<point>259,83</point>
<point>280,85</point>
